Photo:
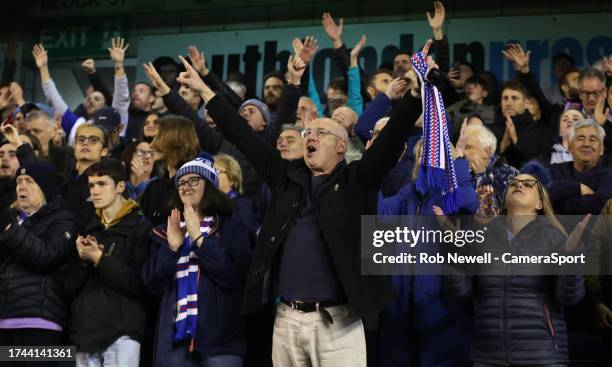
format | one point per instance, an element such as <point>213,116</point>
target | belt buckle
<point>296,305</point>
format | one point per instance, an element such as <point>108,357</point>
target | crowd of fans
<point>186,223</point>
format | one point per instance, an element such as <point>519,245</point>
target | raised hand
<point>5,97</point>
<point>296,67</point>
<point>573,240</point>
<point>117,50</point>
<point>357,50</point>
<point>192,223</point>
<point>11,135</point>
<point>601,111</point>
<point>57,135</point>
<point>155,79</point>
<point>511,129</point>
<point>518,57</point>
<point>606,65</point>
<point>17,93</point>
<point>40,55</point>
<point>191,78</point>
<point>175,236</point>
<point>396,88</point>
<point>333,30</point>
<point>437,20</point>
<point>198,60</point>
<point>305,50</point>
<point>89,66</point>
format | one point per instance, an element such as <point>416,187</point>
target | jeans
<point>124,352</point>
<point>181,357</point>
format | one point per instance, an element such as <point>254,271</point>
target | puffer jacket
<point>519,319</point>
<point>31,255</point>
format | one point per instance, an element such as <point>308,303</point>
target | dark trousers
<point>40,337</point>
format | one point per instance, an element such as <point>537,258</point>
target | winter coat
<point>565,188</point>
<point>419,318</point>
<point>108,299</point>
<point>224,259</point>
<point>519,319</point>
<point>347,193</point>
<point>31,255</point>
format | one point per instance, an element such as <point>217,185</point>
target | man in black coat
<point>307,252</point>
<point>108,312</point>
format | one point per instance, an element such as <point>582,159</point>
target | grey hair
<point>590,73</point>
<point>36,114</point>
<point>292,127</point>
<point>485,136</point>
<point>601,133</point>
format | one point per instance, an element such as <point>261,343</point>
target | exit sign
<point>82,40</point>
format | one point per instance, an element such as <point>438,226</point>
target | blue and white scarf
<point>437,171</point>
<point>187,277</point>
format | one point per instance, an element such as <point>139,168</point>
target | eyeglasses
<point>591,94</point>
<point>529,183</point>
<point>191,181</point>
<point>319,132</point>
<point>374,133</point>
<point>144,153</point>
<point>81,139</point>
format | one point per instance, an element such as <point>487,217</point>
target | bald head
<point>306,112</point>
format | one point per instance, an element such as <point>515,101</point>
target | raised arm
<point>441,46</point>
<point>355,100</point>
<point>264,158</point>
<point>89,67</point>
<point>198,60</point>
<point>121,96</point>
<point>520,61</point>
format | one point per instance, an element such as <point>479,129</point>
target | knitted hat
<point>203,165</point>
<point>44,174</point>
<point>262,107</point>
<point>537,170</point>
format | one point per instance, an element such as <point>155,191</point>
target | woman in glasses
<point>197,266</point>
<point>519,308</point>
<point>138,159</point>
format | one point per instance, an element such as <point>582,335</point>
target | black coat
<point>349,192</point>
<point>108,299</point>
<point>75,190</point>
<point>157,201</point>
<point>31,254</point>
<point>519,320</point>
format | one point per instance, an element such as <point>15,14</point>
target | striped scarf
<point>187,276</point>
<point>436,172</point>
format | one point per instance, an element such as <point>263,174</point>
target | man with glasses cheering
<point>90,146</point>
<point>308,249</point>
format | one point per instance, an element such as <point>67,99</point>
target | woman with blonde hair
<point>519,308</point>
<point>230,182</point>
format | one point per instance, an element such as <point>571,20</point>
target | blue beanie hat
<point>262,107</point>
<point>537,170</point>
<point>203,165</point>
<point>45,176</point>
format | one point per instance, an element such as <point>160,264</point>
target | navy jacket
<point>565,188</point>
<point>224,258</point>
<point>519,319</point>
<point>419,318</point>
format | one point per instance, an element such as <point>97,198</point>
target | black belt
<point>307,306</point>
